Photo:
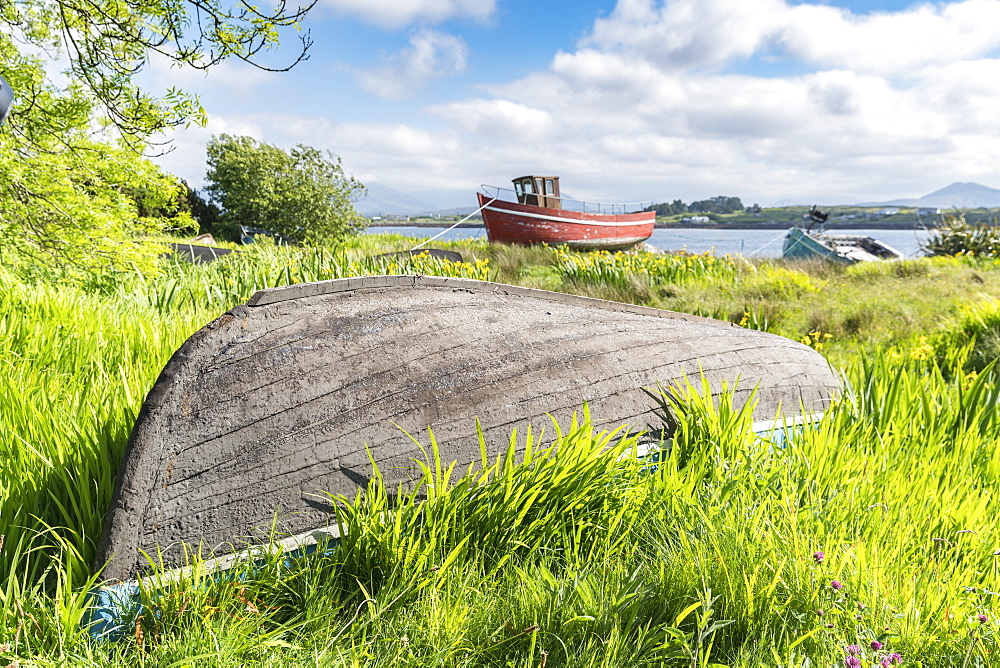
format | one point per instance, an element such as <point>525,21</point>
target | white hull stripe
<point>607,242</point>
<point>572,221</point>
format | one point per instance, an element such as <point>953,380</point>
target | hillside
<point>958,195</point>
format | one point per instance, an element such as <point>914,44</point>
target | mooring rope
<point>427,241</point>
<point>752,253</point>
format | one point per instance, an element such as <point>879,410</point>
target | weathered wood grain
<point>274,402</point>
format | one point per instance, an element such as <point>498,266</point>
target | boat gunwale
<point>564,216</point>
<point>486,188</point>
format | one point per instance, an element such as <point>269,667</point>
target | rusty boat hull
<point>511,222</point>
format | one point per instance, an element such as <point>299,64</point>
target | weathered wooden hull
<point>510,222</point>
<point>840,248</point>
<point>273,403</point>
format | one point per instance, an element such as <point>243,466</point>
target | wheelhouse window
<point>538,191</point>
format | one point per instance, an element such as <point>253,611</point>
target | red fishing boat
<point>539,216</point>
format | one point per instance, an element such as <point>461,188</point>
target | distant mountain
<point>383,200</point>
<point>955,196</point>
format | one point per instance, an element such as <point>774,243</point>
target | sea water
<point>752,243</point>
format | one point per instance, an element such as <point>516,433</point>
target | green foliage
<point>975,327</point>
<point>300,194</point>
<point>77,208</point>
<point>639,273</point>
<point>954,236</point>
<point>73,184</point>
<point>107,45</point>
<point>569,549</point>
<point>665,209</point>
<point>898,268</point>
<point>205,213</point>
<point>186,201</point>
<point>75,370</point>
<point>68,200</point>
<point>767,282</point>
<point>717,204</point>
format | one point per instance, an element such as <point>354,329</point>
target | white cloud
<point>395,14</point>
<point>900,98</point>
<point>236,79</point>
<point>186,156</point>
<point>689,34</point>
<point>682,99</point>
<point>391,153</point>
<point>896,43</point>
<point>499,119</point>
<point>431,54</point>
<point>684,34</point>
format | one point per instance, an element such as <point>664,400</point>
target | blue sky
<point>768,100</point>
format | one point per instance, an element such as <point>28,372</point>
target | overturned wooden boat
<point>271,405</point>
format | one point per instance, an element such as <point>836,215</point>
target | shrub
<point>956,237</point>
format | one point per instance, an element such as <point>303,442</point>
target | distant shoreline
<point>410,223</point>
<point>769,225</point>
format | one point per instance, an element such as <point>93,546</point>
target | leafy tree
<point>71,164</point>
<point>671,209</point>
<point>717,204</point>
<point>301,194</point>
<point>207,214</point>
<point>186,202</point>
<point>77,207</point>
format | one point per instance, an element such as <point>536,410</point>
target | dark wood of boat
<point>275,402</point>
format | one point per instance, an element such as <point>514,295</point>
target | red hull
<point>508,222</point>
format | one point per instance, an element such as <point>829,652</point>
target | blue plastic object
<point>113,609</point>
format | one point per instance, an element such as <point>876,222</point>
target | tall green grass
<point>638,276</point>
<point>569,550</point>
<point>566,550</point>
